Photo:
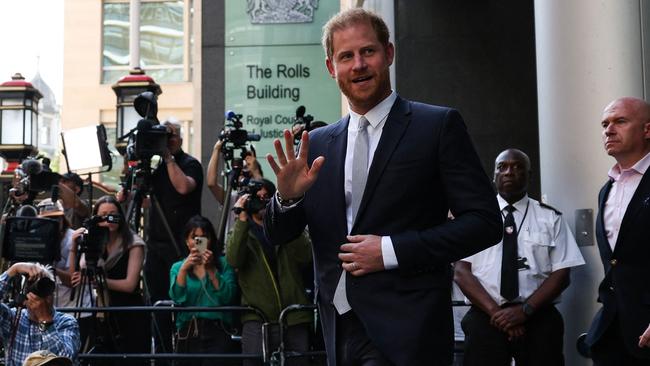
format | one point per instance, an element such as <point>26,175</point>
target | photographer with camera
<point>118,263</point>
<point>270,276</point>
<point>62,295</point>
<point>34,324</point>
<point>250,169</point>
<point>204,278</point>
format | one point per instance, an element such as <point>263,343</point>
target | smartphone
<point>201,243</point>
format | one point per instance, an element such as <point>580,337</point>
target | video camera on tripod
<point>149,137</point>
<point>235,137</point>
<point>93,241</point>
<point>34,175</point>
<point>302,123</point>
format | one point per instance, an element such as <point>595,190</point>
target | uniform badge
<point>510,229</point>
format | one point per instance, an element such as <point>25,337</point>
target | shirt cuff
<point>282,208</point>
<point>388,253</point>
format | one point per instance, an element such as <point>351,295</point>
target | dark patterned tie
<point>509,271</point>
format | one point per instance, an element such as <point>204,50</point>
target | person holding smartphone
<point>204,278</point>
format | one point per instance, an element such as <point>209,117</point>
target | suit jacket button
<point>613,262</point>
<point>611,288</point>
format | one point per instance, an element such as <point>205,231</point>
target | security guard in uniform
<point>513,285</point>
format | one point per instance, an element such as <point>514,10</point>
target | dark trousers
<point>541,345</point>
<point>204,336</point>
<point>353,346</point>
<point>611,351</point>
<point>296,338</point>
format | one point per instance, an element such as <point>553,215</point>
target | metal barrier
<point>167,308</point>
<point>279,357</point>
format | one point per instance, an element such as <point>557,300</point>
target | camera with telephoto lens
<point>149,137</point>
<point>254,203</point>
<point>42,287</point>
<point>93,241</point>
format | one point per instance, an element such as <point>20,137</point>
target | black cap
<point>74,178</point>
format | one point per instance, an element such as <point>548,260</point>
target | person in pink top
<point>620,332</point>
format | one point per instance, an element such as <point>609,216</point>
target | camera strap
<point>14,330</point>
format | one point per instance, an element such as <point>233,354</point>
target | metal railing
<point>268,356</point>
<point>159,309</point>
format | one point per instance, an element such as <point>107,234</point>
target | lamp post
<point>18,120</point>
<point>126,89</point>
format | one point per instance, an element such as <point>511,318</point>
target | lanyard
<point>522,219</point>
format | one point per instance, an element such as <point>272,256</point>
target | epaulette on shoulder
<point>544,205</point>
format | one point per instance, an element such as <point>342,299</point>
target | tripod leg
<point>221,232</point>
<point>168,230</point>
<point>133,211</point>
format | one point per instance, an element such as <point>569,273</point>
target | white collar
<point>519,205</point>
<point>377,114</point>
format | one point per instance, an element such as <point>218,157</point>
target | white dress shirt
<point>626,181</point>
<point>376,117</point>
<point>544,244</point>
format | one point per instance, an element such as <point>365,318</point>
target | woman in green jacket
<point>204,278</point>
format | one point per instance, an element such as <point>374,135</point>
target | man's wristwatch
<point>44,325</point>
<point>287,202</point>
<point>528,309</point>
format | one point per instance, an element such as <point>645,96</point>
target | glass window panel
<point>162,40</point>
<point>116,34</point>
<point>34,124</point>
<point>29,131</point>
<point>112,76</point>
<point>131,118</point>
<point>12,101</point>
<point>166,75</point>
<point>12,127</point>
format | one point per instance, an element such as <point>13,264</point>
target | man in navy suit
<point>375,190</point>
<point>617,334</point>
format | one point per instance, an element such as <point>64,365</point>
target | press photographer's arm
<point>183,184</point>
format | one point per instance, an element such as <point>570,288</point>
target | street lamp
<point>126,89</point>
<point>18,119</point>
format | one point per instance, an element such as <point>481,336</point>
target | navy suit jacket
<point>424,166</point>
<point>625,290</point>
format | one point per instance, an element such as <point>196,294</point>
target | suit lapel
<point>600,224</point>
<point>392,133</point>
<point>640,199</point>
<point>336,151</point>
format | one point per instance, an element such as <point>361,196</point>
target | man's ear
<point>390,53</point>
<point>330,67</point>
<point>646,130</point>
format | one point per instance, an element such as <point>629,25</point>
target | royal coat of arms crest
<point>281,11</point>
